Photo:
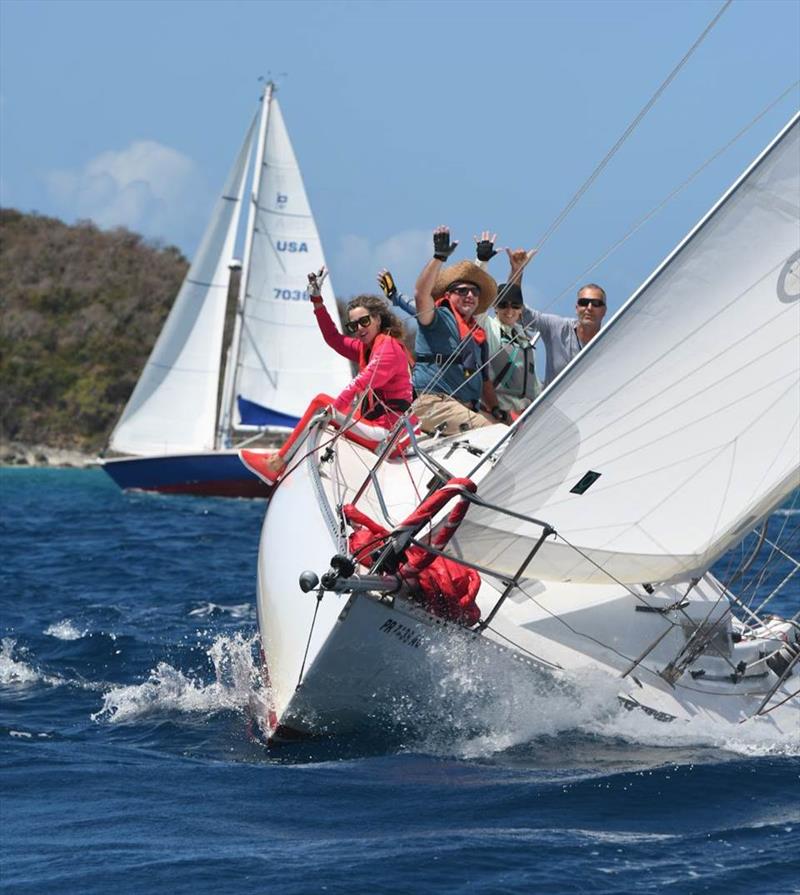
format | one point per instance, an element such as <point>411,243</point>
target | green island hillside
<point>80,309</point>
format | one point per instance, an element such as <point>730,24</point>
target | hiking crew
<point>381,389</point>
<point>451,374</point>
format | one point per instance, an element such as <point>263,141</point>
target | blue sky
<point>403,115</point>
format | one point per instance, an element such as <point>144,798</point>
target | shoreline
<point>19,454</point>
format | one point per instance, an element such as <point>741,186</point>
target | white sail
<point>174,405</point>
<point>282,359</point>
<point>687,406</point>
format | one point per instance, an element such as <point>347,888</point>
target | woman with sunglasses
<point>513,383</point>
<point>382,386</point>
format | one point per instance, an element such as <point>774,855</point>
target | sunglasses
<point>466,290</point>
<point>353,325</point>
<point>594,302</point>
<point>509,304</point>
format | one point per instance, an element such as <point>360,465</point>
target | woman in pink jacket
<point>382,386</point>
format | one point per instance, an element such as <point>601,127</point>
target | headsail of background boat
<point>282,361</point>
<point>679,426</point>
<point>174,405</point>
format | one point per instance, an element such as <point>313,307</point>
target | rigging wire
<point>599,168</point>
<point>669,197</point>
<point>631,127</point>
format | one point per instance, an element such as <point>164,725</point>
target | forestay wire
<point>600,167</point>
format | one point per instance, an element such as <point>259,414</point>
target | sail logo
<point>789,280</point>
<point>281,199</point>
<point>283,246</point>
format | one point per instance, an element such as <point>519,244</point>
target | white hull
<point>366,661</point>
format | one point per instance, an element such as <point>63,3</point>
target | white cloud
<point>356,262</point>
<point>147,187</point>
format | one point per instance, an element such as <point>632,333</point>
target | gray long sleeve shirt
<point>560,338</point>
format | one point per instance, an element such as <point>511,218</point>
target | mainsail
<point>277,359</point>
<point>282,361</point>
<point>678,427</point>
<point>174,405</point>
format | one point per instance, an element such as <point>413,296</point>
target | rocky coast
<point>14,453</point>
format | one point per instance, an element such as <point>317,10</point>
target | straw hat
<point>467,272</point>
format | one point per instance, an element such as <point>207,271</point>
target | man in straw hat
<point>450,375</point>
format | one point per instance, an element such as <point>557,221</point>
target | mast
<point>226,402</point>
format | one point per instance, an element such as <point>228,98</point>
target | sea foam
<point>65,630</point>
<point>169,691</point>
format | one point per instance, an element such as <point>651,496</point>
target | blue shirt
<point>461,379</point>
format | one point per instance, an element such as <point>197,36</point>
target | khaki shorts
<point>446,415</point>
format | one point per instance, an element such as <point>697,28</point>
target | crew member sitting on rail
<point>383,383</point>
<point>563,337</point>
<point>450,370</point>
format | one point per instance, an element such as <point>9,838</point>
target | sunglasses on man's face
<point>509,304</point>
<point>594,302</point>
<point>463,291</point>
<point>353,325</point>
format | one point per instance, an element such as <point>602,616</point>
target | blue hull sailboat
<point>189,411</point>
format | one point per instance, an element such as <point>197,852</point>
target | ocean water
<point>127,668</point>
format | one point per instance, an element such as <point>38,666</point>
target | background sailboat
<point>180,424</point>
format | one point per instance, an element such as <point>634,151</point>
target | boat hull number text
<point>402,632</point>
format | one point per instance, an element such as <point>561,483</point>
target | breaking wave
<point>168,690</point>
<point>757,737</point>
<point>479,710</point>
<point>65,630</point>
<point>13,669</point>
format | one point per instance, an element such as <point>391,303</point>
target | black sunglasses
<point>509,304</point>
<point>353,325</point>
<point>463,291</point>
<point>594,302</point>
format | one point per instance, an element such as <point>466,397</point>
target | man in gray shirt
<point>563,337</point>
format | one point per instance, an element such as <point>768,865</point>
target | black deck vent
<point>585,483</point>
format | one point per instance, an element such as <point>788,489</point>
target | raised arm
<point>333,338</point>
<point>423,291</point>
<point>389,289</point>
<point>518,259</point>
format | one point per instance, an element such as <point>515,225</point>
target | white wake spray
<point>169,691</point>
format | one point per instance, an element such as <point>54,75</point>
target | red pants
<point>359,430</point>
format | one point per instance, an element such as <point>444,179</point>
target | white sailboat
<point>597,517</point>
<point>179,427</point>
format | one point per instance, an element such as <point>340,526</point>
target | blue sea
<point>129,764</point>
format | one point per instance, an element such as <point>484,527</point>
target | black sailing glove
<point>485,250</point>
<point>442,247</point>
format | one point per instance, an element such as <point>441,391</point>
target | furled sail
<point>679,425</point>
<point>174,405</point>
<point>282,360</point>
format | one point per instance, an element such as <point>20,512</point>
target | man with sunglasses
<point>450,374</point>
<point>563,337</point>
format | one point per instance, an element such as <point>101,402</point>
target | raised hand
<point>442,247</point>
<point>315,281</point>
<point>518,258</point>
<point>387,284</point>
<point>484,248</point>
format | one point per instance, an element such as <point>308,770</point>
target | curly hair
<point>390,322</point>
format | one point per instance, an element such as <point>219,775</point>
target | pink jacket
<point>386,371</point>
